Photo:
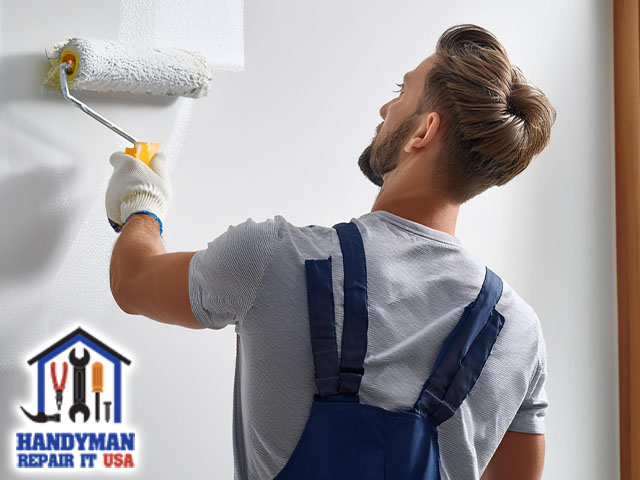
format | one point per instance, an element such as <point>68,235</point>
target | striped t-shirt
<point>419,280</point>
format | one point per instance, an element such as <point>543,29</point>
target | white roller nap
<point>103,65</point>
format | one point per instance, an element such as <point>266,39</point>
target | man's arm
<point>147,281</point>
<point>144,279</point>
<point>519,455</point>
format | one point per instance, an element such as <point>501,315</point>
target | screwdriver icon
<point>96,382</point>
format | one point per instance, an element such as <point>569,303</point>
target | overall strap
<point>463,354</point>
<point>356,316</point>
<point>322,325</point>
<point>345,379</point>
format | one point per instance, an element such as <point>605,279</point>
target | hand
<point>137,188</point>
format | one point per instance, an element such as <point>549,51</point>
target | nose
<point>383,110</point>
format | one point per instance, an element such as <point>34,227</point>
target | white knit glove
<point>136,188</point>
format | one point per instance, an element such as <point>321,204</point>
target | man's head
<point>468,112</point>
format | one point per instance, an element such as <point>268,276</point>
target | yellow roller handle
<point>143,151</point>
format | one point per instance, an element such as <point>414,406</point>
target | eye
<point>401,85</point>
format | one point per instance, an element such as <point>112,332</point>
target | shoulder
<point>242,248</point>
<point>304,241</point>
<point>273,226</point>
<point>522,327</point>
<point>514,305</point>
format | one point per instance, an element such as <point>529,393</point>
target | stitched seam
<point>441,400</point>
<point>452,246</point>
<point>260,289</point>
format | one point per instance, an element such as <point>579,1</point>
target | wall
<point>294,103</point>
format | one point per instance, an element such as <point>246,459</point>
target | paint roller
<point>105,66</point>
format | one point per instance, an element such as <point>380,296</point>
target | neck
<point>411,201</point>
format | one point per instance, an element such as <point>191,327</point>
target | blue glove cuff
<point>117,227</point>
<point>147,213</point>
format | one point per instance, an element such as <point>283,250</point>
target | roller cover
<point>103,66</point>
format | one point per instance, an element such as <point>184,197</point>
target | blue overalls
<point>345,439</point>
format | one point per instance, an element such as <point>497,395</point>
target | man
<point>464,120</point>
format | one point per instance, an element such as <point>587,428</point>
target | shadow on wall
<point>36,172</point>
<point>38,167</point>
<point>34,215</point>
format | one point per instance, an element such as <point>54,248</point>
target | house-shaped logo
<point>72,371</point>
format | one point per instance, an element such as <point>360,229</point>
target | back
<point>419,281</point>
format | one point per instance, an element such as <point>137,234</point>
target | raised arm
<point>144,279</point>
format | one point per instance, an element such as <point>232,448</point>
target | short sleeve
<point>531,414</point>
<point>224,278</point>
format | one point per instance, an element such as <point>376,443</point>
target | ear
<point>425,132</point>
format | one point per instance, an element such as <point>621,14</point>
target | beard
<point>381,157</point>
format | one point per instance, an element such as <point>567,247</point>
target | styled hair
<point>494,120</point>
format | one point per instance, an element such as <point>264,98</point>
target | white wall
<point>269,140</point>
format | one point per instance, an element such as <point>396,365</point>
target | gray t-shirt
<point>419,281</point>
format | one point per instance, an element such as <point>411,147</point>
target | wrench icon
<point>79,385</point>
